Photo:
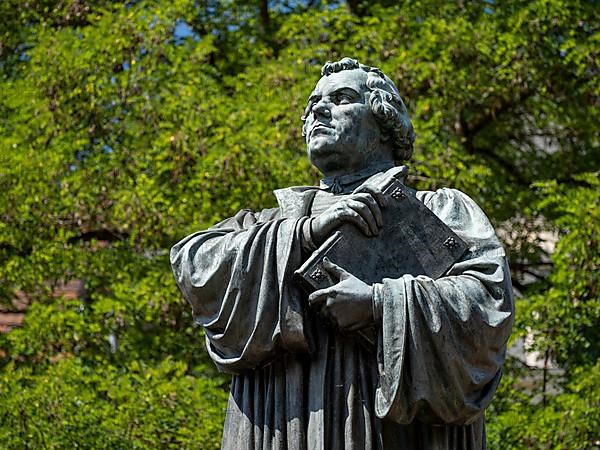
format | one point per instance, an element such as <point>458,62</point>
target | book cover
<point>412,241</point>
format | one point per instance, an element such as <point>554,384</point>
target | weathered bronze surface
<point>302,376</point>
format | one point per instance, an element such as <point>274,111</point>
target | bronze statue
<point>302,376</point>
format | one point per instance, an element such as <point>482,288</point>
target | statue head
<point>354,117</point>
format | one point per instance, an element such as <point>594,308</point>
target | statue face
<point>342,135</point>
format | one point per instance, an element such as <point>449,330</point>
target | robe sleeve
<point>442,342</point>
<point>237,278</point>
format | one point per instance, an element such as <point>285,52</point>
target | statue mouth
<point>319,129</point>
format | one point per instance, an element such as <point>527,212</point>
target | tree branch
<point>469,131</point>
<point>265,18</point>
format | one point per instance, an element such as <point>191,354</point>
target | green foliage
<point>568,420</point>
<point>75,405</point>
<point>565,312</point>
<point>119,136</point>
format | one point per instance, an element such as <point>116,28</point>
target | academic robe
<point>299,383</point>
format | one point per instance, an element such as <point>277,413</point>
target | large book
<point>412,241</point>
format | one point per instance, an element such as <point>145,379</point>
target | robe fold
<point>299,383</point>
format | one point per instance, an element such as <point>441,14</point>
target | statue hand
<point>349,303</point>
<point>380,181</point>
<point>359,209</point>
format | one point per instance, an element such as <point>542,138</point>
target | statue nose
<point>321,109</point>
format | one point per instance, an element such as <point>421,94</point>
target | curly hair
<point>385,103</point>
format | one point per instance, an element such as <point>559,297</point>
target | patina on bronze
<point>301,376</point>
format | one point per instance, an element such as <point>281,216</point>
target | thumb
<point>334,269</point>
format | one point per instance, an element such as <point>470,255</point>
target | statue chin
<point>326,155</point>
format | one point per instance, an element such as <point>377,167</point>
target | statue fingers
<point>319,297</point>
<point>366,213</point>
<point>330,311</point>
<point>350,215</point>
<point>375,192</point>
<point>335,270</point>
<point>373,206</point>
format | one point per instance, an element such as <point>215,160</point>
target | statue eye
<point>343,99</point>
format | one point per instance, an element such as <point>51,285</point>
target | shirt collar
<point>344,184</point>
